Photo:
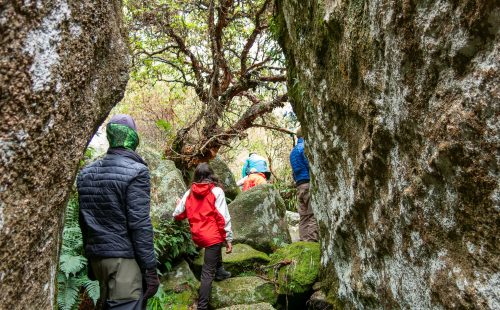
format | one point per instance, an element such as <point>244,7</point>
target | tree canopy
<point>224,51</point>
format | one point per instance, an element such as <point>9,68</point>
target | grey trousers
<point>308,227</point>
<point>120,282</point>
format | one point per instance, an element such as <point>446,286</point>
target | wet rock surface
<point>63,66</point>
<point>399,104</point>
<point>258,218</point>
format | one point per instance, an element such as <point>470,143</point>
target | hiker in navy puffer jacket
<point>308,227</point>
<point>114,197</point>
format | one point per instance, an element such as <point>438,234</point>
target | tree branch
<point>283,130</point>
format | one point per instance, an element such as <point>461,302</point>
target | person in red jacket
<point>253,179</point>
<point>204,205</point>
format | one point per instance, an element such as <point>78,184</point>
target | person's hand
<point>152,283</point>
<point>229,247</point>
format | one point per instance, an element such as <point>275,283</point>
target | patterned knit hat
<point>122,132</point>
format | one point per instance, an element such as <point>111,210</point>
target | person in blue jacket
<point>308,227</point>
<point>256,162</point>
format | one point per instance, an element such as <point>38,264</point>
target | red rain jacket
<point>208,223</point>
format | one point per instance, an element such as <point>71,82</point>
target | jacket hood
<point>122,136</point>
<point>200,190</point>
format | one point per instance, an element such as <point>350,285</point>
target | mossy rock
<point>180,287</point>
<point>242,291</point>
<point>259,306</point>
<point>299,276</point>
<point>231,190</point>
<point>180,275</point>
<point>243,259</point>
<point>258,219</point>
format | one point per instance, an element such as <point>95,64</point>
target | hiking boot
<point>222,274</point>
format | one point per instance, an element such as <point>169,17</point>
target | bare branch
<point>283,130</point>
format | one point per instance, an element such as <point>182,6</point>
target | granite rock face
<point>399,103</point>
<point>63,66</point>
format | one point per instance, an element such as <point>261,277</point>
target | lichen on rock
<point>398,102</point>
<point>63,66</point>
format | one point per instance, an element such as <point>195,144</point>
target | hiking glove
<point>152,283</point>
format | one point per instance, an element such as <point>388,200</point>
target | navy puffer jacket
<point>114,195</point>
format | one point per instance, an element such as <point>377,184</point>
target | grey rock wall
<point>399,102</point>
<point>63,66</point>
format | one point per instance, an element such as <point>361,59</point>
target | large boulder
<point>399,105</point>
<point>300,267</point>
<point>258,218</point>
<point>63,66</point>
<point>226,177</point>
<point>181,286</point>
<point>242,260</point>
<point>167,184</point>
<point>242,290</point>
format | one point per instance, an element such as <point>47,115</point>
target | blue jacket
<point>114,196</point>
<point>254,161</point>
<point>299,163</point>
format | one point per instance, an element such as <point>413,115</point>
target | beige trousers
<point>308,227</point>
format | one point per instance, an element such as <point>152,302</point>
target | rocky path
<point>269,271</point>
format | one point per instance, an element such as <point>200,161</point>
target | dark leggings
<point>213,260</point>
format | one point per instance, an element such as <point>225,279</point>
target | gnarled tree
<point>224,51</point>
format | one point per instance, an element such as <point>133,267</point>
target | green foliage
<point>164,125</point>
<point>171,240</point>
<point>289,194</point>
<point>72,274</point>
<point>170,300</point>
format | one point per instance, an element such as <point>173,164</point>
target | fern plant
<point>72,274</point>
<point>171,240</point>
